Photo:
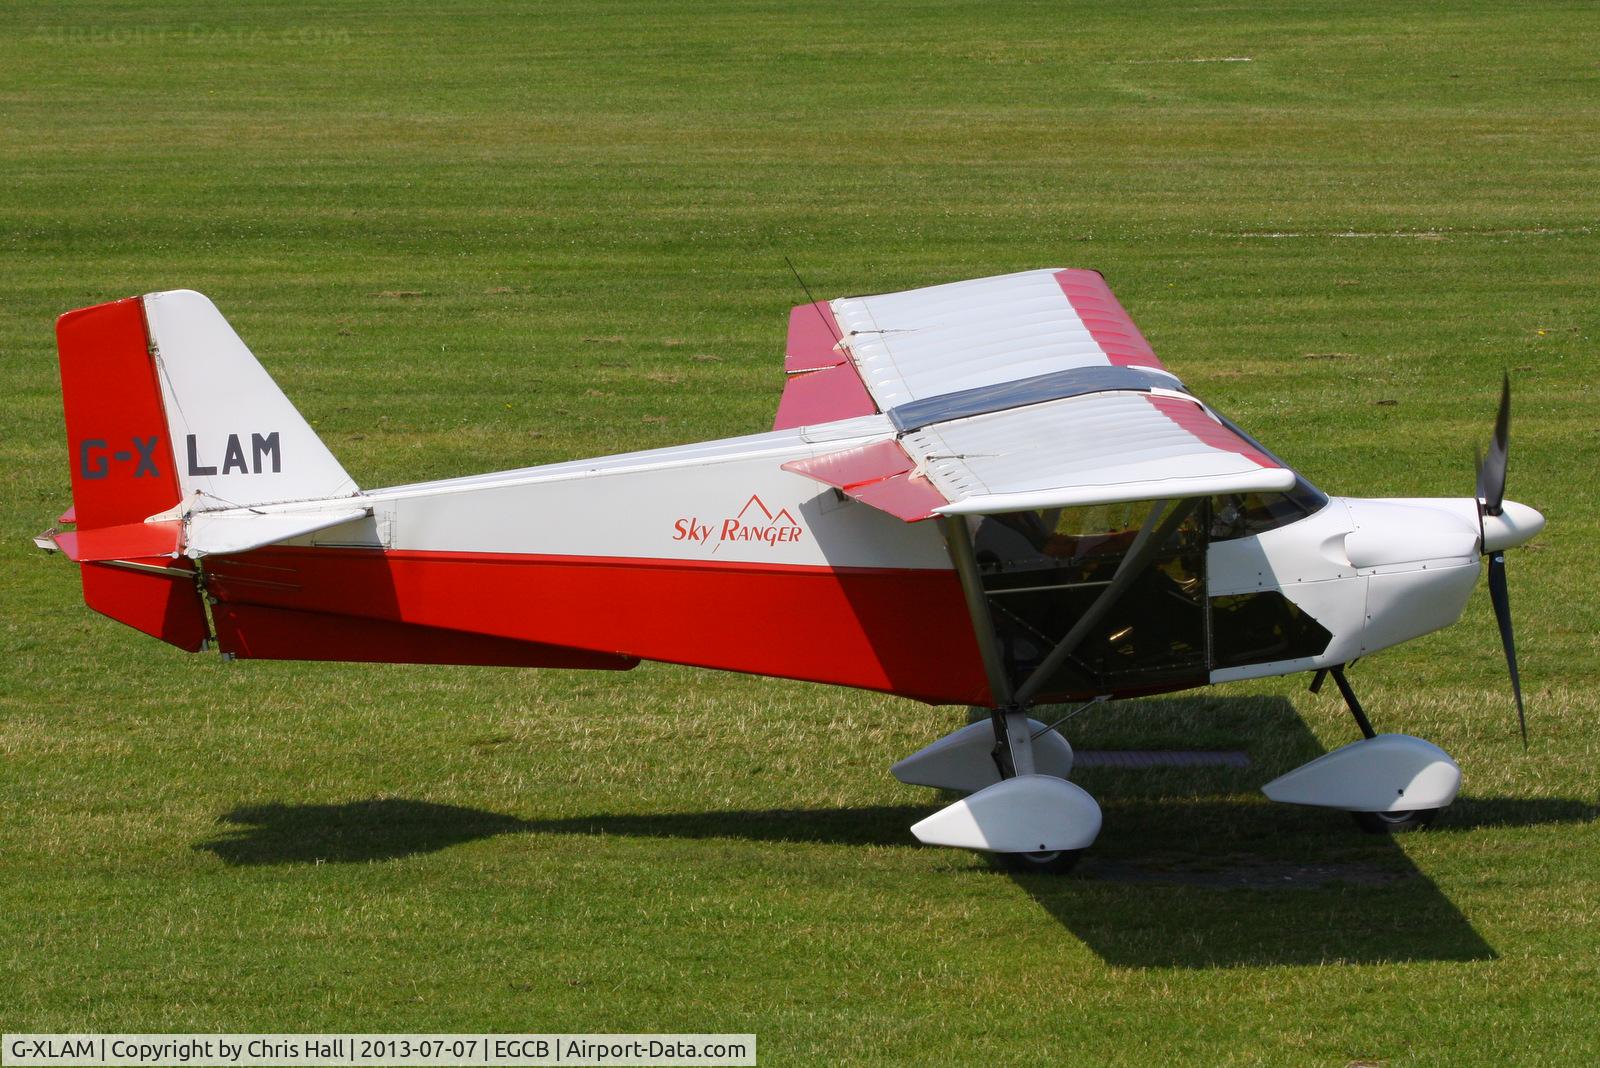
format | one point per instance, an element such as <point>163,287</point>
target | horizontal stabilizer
<point>217,533</point>
<point>126,541</point>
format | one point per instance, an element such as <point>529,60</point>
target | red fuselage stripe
<point>894,630</point>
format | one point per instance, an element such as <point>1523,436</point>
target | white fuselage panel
<point>1419,563</point>
<point>723,501</point>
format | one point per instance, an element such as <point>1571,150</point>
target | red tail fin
<point>121,454</point>
<point>123,472</point>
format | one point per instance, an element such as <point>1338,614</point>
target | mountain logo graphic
<point>755,501</point>
<point>754,523</point>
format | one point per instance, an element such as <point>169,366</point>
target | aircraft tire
<point>1395,822</point>
<point>1054,862</point>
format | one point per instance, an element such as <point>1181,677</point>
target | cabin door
<point>1041,571</point>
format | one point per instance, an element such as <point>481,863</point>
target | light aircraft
<point>989,492</point>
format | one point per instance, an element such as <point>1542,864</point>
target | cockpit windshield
<point>1244,515</point>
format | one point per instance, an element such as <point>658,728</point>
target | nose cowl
<point>1394,532</point>
<point>1515,524</point>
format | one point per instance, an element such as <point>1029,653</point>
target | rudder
<point>122,472</point>
<point>119,446</point>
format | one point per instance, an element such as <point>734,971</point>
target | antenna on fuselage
<point>827,322</point>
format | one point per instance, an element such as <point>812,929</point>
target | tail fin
<point>169,414</point>
<point>236,438</point>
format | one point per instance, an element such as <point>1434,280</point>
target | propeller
<point>1491,494</point>
<point>1492,471</point>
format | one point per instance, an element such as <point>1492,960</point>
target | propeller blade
<point>1492,471</point>
<point>1501,598</point>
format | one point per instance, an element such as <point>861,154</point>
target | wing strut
<point>1149,539</point>
<point>1163,520</point>
<point>997,817</point>
<point>959,541</point>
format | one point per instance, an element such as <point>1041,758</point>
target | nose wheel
<point>1395,822</point>
<point>1049,862</point>
<point>1389,783</point>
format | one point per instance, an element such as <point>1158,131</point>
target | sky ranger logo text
<point>754,523</point>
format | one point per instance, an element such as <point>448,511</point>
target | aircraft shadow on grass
<point>1207,880</point>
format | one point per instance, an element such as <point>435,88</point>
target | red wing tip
<point>879,475</point>
<point>823,396</point>
<point>908,497</point>
<point>813,335</point>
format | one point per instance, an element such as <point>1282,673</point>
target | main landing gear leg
<point>1013,757</point>
<point>1021,805</point>
<point>1013,742</point>
<point>1348,694</point>
<point>1389,783</point>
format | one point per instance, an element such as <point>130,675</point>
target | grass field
<point>467,237</point>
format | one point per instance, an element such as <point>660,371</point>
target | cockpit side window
<point>1056,537</point>
<point>1042,570</point>
<point>1244,515</point>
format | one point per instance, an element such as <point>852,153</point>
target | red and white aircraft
<point>988,493</point>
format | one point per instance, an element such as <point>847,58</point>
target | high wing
<point>1029,390</point>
